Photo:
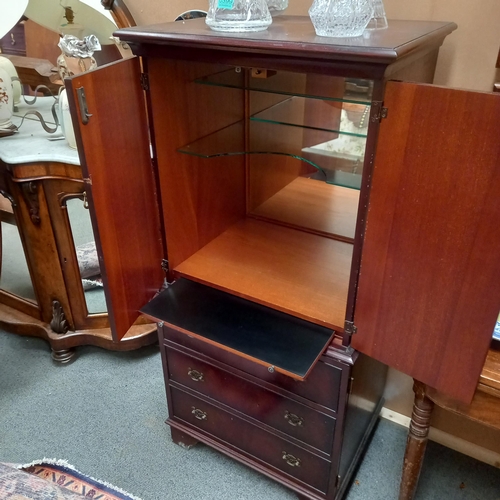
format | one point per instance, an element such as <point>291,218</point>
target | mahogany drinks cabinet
<point>316,217</point>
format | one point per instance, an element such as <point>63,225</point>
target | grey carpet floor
<point>104,413</point>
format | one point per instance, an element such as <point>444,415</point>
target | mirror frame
<point>122,16</point>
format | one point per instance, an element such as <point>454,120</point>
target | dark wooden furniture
<point>484,408</point>
<point>387,256</point>
<point>33,72</point>
<point>14,41</point>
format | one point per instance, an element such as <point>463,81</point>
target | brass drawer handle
<point>293,419</point>
<point>291,460</point>
<point>195,375</point>
<point>199,414</point>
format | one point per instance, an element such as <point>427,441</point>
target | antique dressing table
<point>43,195</point>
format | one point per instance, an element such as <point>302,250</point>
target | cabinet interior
<point>260,185</point>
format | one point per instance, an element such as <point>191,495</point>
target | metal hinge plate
<point>350,328</point>
<point>145,81</point>
<point>164,265</point>
<point>379,111</point>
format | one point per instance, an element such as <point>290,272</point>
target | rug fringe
<point>64,463</point>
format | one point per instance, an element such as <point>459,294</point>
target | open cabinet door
<point>113,144</point>
<point>429,284</point>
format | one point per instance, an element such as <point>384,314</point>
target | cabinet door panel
<point>116,162</point>
<point>429,287</point>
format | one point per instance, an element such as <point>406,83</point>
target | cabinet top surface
<point>295,35</point>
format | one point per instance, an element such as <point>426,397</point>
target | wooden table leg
<point>417,442</point>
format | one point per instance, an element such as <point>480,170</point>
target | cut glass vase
<point>340,18</point>
<point>238,15</point>
<point>379,19</point>
<point>277,6</point>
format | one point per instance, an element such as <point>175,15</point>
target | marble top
<point>32,143</point>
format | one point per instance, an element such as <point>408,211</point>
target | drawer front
<point>322,385</point>
<point>295,419</point>
<point>277,452</point>
<point>14,42</point>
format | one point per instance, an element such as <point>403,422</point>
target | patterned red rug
<point>54,479</point>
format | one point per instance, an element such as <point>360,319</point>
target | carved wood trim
<point>422,412</point>
<point>58,324</point>
<point>417,441</point>
<point>29,191</point>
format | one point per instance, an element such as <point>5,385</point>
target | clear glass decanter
<point>340,18</point>
<point>379,19</point>
<point>238,15</point>
<point>277,6</point>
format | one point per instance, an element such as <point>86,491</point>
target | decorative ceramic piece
<point>76,55</point>
<point>7,65</point>
<point>6,103</point>
<point>238,15</point>
<point>64,117</point>
<point>379,19</point>
<point>68,66</point>
<point>340,18</point>
<point>277,6</point>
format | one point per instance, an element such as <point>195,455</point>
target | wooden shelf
<point>314,205</point>
<point>299,273</point>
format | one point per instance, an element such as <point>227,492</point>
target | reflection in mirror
<point>88,262</point>
<point>14,274</point>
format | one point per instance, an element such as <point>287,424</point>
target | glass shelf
<point>318,115</point>
<point>314,86</point>
<point>308,145</point>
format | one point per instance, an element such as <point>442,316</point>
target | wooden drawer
<point>14,41</point>
<point>293,418</point>
<point>322,385</point>
<point>263,446</point>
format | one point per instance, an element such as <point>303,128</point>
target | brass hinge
<point>378,111</point>
<point>261,73</point>
<point>337,481</point>
<point>164,265</point>
<point>350,328</point>
<point>145,81</point>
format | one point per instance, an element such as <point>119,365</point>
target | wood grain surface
<point>302,274</point>
<point>429,289</point>
<point>120,187</point>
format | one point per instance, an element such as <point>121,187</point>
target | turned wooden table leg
<point>417,442</point>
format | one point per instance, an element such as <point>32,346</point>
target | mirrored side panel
<point>86,253</point>
<point>14,273</point>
